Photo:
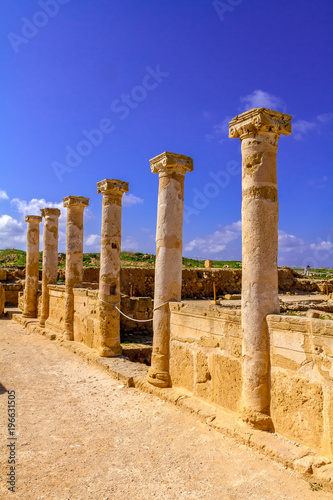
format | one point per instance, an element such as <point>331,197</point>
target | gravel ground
<point>82,435</point>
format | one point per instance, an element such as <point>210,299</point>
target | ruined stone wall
<point>196,283</point>
<point>86,314</point>
<point>56,319</point>
<point>137,308</point>
<point>206,360</point>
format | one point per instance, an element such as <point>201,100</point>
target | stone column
<point>259,131</point>
<point>74,256</point>
<point>50,257</point>
<point>31,270</point>
<point>169,245</point>
<point>109,278</point>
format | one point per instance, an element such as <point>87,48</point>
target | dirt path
<point>81,435</point>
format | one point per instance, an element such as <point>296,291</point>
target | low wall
<point>196,283</point>
<point>56,319</point>
<point>206,360</point>
<point>137,308</point>
<point>86,314</point>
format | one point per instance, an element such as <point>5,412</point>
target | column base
<point>158,378</point>
<point>107,352</point>
<point>68,336</point>
<point>42,323</point>
<point>29,315</point>
<point>257,420</point>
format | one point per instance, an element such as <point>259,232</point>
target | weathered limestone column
<point>50,257</point>
<point>74,256</point>
<point>259,130</point>
<point>169,245</point>
<point>109,278</point>
<point>31,270</point>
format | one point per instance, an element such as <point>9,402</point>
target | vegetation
<point>13,257</point>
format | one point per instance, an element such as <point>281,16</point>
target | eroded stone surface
<point>169,245</point>
<point>32,263</point>
<point>74,256</point>
<point>50,257</point>
<point>109,282</point>
<point>259,131</point>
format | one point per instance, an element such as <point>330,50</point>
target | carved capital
<point>50,211</point>
<point>168,163</point>
<point>259,120</point>
<point>33,218</point>
<point>76,201</point>
<point>112,186</point>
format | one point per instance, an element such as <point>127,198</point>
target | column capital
<point>112,186</point>
<point>33,218</point>
<point>259,120</point>
<point>76,201</point>
<point>50,211</point>
<point>169,163</point>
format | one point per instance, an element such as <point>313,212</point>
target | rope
<point>128,317</point>
<point>136,320</point>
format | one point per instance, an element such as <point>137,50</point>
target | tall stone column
<point>171,169</point>
<point>50,257</point>
<point>259,131</point>
<point>74,256</point>
<point>31,270</point>
<point>109,278</point>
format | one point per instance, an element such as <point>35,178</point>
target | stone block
<point>3,274</point>
<point>181,366</point>
<point>311,313</point>
<point>2,300</point>
<point>226,381</point>
<point>208,263</point>
<point>235,347</point>
<point>297,409</point>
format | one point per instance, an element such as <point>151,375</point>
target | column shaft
<point>74,257</point>
<point>32,267</point>
<point>259,130</point>
<point>109,282</point>
<point>168,267</point>
<point>50,257</point>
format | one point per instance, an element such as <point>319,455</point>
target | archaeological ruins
<point>272,371</point>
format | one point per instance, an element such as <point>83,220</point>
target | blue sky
<point>93,90</point>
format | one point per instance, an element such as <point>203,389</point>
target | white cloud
<point>322,245</point>
<point>220,131</point>
<point>325,117</point>
<point>93,240</point>
<point>262,99</point>
<point>34,206</point>
<point>12,232</point>
<point>130,199</point>
<point>302,127</point>
<point>290,243</point>
<point>217,241</point>
<point>130,244</point>
<point>3,195</point>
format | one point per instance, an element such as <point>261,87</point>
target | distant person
<point>307,270</point>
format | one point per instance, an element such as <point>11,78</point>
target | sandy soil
<point>82,435</point>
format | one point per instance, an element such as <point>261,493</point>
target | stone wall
<point>206,360</point>
<point>86,314</point>
<point>56,319</point>
<point>196,283</point>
